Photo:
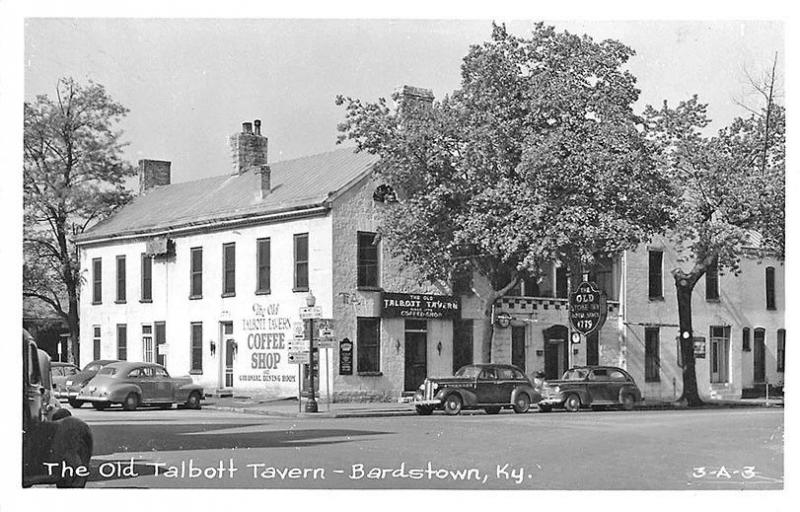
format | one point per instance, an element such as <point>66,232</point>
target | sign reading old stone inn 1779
<point>410,305</point>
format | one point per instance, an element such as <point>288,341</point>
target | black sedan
<point>591,386</point>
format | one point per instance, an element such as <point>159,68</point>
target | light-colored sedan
<point>132,384</point>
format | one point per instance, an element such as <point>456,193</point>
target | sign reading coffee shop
<point>412,305</point>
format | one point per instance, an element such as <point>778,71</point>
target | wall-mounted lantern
<point>212,347</point>
<point>439,348</point>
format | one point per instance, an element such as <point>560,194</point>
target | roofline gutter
<point>184,229</point>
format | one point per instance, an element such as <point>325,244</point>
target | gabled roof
<point>296,185</point>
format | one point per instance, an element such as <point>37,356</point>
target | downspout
<point>622,319</point>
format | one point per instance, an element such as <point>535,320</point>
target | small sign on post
<point>310,313</point>
<point>299,357</point>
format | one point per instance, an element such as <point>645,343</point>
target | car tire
<point>572,403</point>
<point>424,410</point>
<point>545,408</point>
<point>61,413</point>
<point>83,455</point>
<point>100,406</point>
<point>453,404</point>
<point>131,402</point>
<point>75,404</point>
<point>522,403</point>
<point>492,410</point>
<point>193,402</point>
<point>628,401</point>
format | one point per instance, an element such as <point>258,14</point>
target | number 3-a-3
<point>699,472</point>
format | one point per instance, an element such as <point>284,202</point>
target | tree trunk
<point>684,284</point>
<point>488,327</point>
<point>73,321</point>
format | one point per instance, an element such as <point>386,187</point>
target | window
<point>368,339</point>
<point>263,265</point>
<point>97,281</point>
<point>96,342</point>
<point>770,286</point>
<point>147,278</point>
<point>147,343</point>
<point>196,364</point>
<point>603,275</point>
<point>712,281</point>
<point>561,282</point>
<point>655,275</point>
<point>652,355</point>
<point>746,339</point>
<point>367,269</point>
<point>161,339</point>
<point>599,374</point>
<point>462,343</point>
<point>196,273</point>
<point>121,292</point>
<point>530,287</point>
<point>759,355</point>
<point>301,262</point>
<point>229,269</point>
<point>781,350</point>
<point>122,342</point>
<point>462,281</point>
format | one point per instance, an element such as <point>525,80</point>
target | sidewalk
<point>290,408</point>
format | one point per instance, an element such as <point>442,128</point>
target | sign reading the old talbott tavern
<point>413,305</point>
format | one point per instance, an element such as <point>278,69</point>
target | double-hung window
<point>196,364</point>
<point>263,265</point>
<point>121,278</point>
<point>229,269</point>
<point>147,278</point>
<point>367,266</point>
<point>655,289</point>
<point>97,281</point>
<point>301,262</point>
<point>196,273</point>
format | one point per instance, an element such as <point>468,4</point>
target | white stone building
<point>208,277</point>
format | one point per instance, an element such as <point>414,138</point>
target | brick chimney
<point>409,98</point>
<point>153,173</point>
<point>248,148</point>
<point>266,180</point>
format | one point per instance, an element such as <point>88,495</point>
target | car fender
<point>118,393</point>
<point>533,395</point>
<point>182,392</point>
<point>633,390</point>
<point>468,398</point>
<point>581,392</point>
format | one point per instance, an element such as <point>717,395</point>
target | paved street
<point>704,449</point>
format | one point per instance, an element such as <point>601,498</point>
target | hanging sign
<point>587,308</point>
<point>345,357</point>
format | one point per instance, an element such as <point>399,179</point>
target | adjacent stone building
<point>208,278</point>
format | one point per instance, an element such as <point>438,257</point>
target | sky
<point>190,83</point>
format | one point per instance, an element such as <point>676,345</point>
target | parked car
<point>586,386</point>
<point>48,437</point>
<point>491,387</point>
<point>75,383</point>
<point>52,407</point>
<point>133,384</point>
<point>60,373</point>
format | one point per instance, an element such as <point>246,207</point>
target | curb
<point>321,414</point>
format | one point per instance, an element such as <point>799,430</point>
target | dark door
<point>416,357</point>
<point>759,357</point>
<point>462,343</point>
<point>555,352</point>
<point>592,349</point>
<point>518,347</point>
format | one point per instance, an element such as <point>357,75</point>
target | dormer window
<point>384,194</point>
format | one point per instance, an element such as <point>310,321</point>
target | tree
<point>538,157</point>
<point>732,189</point>
<point>73,177</point>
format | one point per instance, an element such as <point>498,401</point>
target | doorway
<point>416,356</point>
<point>720,350</point>
<point>555,352</point>
<point>518,346</point>
<point>228,345</point>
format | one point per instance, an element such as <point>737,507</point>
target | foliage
<point>74,176</point>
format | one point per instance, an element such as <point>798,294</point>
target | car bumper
<point>552,402</point>
<point>92,398</point>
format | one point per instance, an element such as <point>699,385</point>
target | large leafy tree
<point>74,175</point>
<point>538,157</point>
<point>732,190</point>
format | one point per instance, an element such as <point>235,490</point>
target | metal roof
<point>295,185</point>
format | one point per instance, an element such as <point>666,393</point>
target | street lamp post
<point>311,403</point>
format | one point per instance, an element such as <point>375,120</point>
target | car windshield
<point>107,371</point>
<point>575,374</point>
<point>92,367</point>
<point>468,371</point>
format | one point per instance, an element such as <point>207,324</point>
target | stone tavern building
<point>208,277</point>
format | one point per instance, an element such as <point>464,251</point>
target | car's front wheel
<point>572,403</point>
<point>628,401</point>
<point>424,410</point>
<point>131,402</point>
<point>453,404</point>
<point>522,403</point>
<point>193,402</point>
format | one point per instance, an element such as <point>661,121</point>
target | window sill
<point>263,292</point>
<point>717,301</point>
<point>299,290</point>
<point>226,295</point>
<point>195,372</point>
<point>369,288</point>
<point>656,299</point>
<point>195,297</point>
<point>772,309</point>
<point>96,303</point>
<point>370,374</point>
<point>146,301</point>
<point>653,381</point>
